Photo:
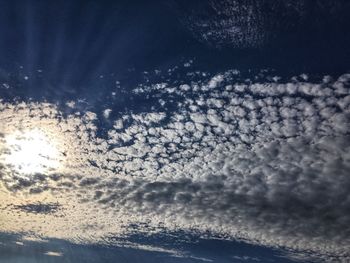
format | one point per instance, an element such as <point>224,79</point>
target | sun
<point>31,152</point>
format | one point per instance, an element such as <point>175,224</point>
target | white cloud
<point>53,254</point>
<point>268,162</point>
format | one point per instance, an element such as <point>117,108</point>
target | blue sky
<point>174,131</point>
<point>166,247</point>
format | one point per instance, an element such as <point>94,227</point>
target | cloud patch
<point>267,162</point>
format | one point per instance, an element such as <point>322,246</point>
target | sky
<point>174,131</point>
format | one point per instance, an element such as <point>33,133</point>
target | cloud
<point>267,162</point>
<point>230,23</point>
<point>53,254</point>
<point>35,208</point>
<point>245,258</point>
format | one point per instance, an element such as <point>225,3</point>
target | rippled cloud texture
<point>265,161</point>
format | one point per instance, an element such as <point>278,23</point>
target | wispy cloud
<point>53,254</point>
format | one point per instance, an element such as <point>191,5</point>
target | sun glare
<point>31,152</point>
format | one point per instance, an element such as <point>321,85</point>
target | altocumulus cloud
<point>264,161</point>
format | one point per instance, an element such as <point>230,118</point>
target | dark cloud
<point>39,208</point>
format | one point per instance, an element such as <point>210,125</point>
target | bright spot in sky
<point>31,152</point>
